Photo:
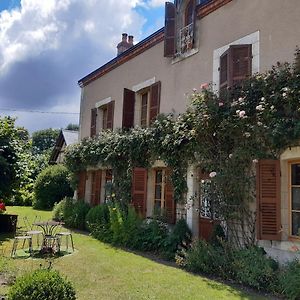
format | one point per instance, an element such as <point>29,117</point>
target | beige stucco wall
<point>276,20</point>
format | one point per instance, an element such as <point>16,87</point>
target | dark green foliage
<point>253,268</point>
<point>98,223</point>
<point>179,238</point>
<point>42,285</point>
<point>9,148</point>
<point>152,235</point>
<point>73,213</point>
<point>51,186</point>
<point>43,140</point>
<point>204,258</point>
<point>74,127</point>
<point>289,280</point>
<point>218,236</point>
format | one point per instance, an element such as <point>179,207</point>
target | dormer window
<point>189,13</point>
<point>179,27</point>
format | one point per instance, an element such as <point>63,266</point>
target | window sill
<point>185,55</point>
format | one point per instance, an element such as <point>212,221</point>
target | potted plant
<point>8,222</point>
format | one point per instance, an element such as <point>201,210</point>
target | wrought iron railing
<point>186,38</point>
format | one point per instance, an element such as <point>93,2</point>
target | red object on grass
<point>2,206</point>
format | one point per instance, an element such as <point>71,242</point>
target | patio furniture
<point>22,238</point>
<point>68,236</point>
<point>51,242</point>
<point>30,229</point>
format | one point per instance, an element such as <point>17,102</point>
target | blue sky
<point>9,4</point>
<point>46,46</point>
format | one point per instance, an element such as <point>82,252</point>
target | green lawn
<point>99,271</point>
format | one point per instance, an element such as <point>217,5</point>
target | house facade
<point>218,41</point>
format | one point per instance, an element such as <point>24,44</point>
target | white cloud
<point>156,3</point>
<point>47,45</point>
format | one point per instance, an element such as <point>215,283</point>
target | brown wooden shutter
<point>224,71</point>
<point>110,115</point>
<point>154,100</point>
<point>169,42</point>
<point>139,190</point>
<point>128,109</point>
<point>81,185</point>
<point>170,206</point>
<point>268,200</point>
<point>93,121</point>
<point>240,68</point>
<point>96,187</point>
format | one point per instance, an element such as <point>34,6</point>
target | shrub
<point>72,212</point>
<point>289,280</point>
<point>98,222</point>
<point>180,237</point>
<point>42,285</point>
<point>253,268</point>
<point>151,236</point>
<point>51,186</point>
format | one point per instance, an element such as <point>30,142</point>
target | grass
<point>99,271</point>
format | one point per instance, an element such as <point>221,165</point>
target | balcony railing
<point>186,37</point>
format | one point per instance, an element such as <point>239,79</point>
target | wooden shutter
<point>154,100</point>
<point>139,190</point>
<point>96,187</point>
<point>224,71</point>
<point>110,115</point>
<point>170,206</point>
<point>169,41</point>
<point>128,109</point>
<point>240,68</point>
<point>268,200</point>
<point>93,121</point>
<point>81,185</point>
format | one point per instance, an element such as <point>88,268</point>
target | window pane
<point>157,205</point>
<point>158,192</point>
<point>295,223</point>
<point>296,174</point>
<point>295,198</point>
<point>158,178</point>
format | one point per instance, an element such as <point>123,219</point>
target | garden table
<point>51,243</point>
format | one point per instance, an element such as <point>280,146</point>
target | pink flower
<point>221,104</point>
<point>242,114</point>
<point>204,86</point>
<point>212,174</point>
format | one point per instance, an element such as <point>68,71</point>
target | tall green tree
<point>43,140</point>
<point>12,140</point>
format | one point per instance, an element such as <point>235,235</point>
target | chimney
<point>130,40</point>
<point>125,44</point>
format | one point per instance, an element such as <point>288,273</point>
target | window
<point>108,186</point>
<point>164,204</point>
<point>235,65</point>
<point>105,115</point>
<point>295,199</point>
<point>144,110</point>
<point>189,13</point>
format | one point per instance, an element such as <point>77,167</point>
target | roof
<point>67,137</point>
<point>70,136</point>
<point>135,50</point>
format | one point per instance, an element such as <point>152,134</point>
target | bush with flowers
<point>224,134</point>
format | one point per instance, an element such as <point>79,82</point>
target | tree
<point>11,141</point>
<point>43,140</point>
<point>74,127</point>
